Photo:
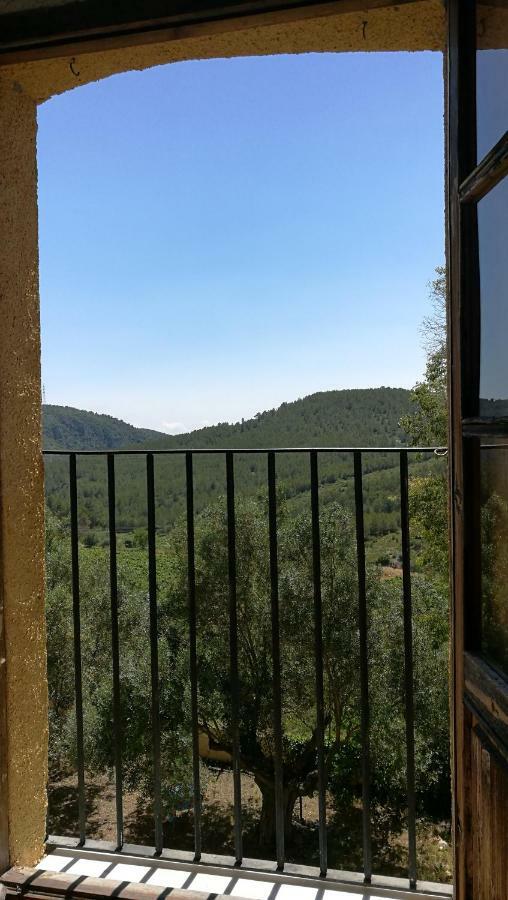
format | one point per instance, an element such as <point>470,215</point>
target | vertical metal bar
<point>408,667</point>
<point>364,667</point>
<point>154,651</point>
<point>233,654</point>
<point>115,651</point>
<point>276,663</point>
<point>318,658</point>
<point>191,575</point>
<point>76,616</point>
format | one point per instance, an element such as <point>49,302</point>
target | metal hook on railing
<point>441,452</point>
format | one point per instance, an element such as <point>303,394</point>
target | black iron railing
<point>229,456</point>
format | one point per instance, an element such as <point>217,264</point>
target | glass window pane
<point>491,74</point>
<point>493,250</point>
<point>494,526</point>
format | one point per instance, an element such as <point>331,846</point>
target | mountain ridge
<point>312,419</point>
<point>363,417</point>
<point>66,426</point>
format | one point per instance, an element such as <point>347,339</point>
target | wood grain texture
<point>4,764</point>
<point>490,172</point>
<point>488,831</point>
<point>460,160</point>
<point>488,691</point>
<point>33,882</point>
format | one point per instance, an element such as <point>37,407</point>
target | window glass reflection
<point>493,250</point>
<point>494,527</point>
<point>491,74</point>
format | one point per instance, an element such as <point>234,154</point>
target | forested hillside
<point>66,428</point>
<point>334,419</point>
<point>367,417</point>
<point>353,418</point>
<point>342,418</point>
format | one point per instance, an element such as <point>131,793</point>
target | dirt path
<point>344,834</point>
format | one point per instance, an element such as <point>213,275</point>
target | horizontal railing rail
<point>230,455</point>
<point>180,451</point>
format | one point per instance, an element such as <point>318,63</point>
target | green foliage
<point>387,720</point>
<point>360,417</point>
<point>333,418</point>
<point>427,425</point>
<point>430,637</point>
<point>428,504</point>
<point>339,590</point>
<point>494,520</point>
<point>96,663</point>
<point>140,538</point>
<point>296,598</point>
<point>66,428</point>
<point>60,642</point>
<point>328,419</point>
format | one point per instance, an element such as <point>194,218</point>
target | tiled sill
<point>84,873</point>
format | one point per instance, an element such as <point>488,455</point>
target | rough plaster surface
<point>492,27</point>
<point>21,480</point>
<point>413,26</point>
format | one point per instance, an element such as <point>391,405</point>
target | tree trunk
<point>267,836</point>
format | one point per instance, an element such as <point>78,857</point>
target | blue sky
<point>218,237</point>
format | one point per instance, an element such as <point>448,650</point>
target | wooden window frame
<point>468,182</point>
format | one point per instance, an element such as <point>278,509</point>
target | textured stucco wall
<point>413,26</point>
<point>492,27</point>
<point>21,480</point>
